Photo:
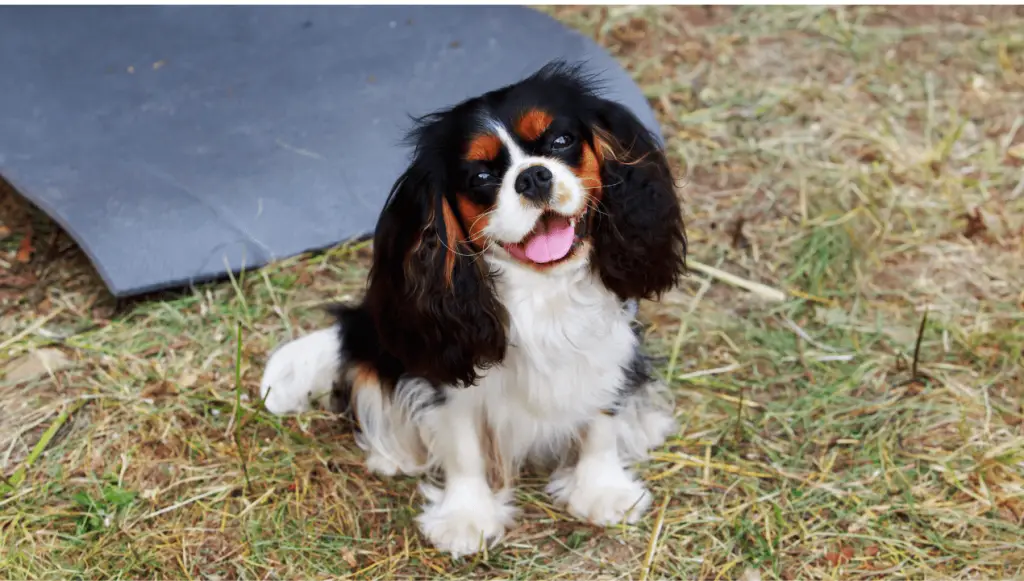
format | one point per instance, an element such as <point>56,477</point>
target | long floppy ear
<point>638,231</point>
<point>432,299</point>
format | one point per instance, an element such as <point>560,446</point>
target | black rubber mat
<point>176,143</point>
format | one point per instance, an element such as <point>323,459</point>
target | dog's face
<point>543,174</point>
<point>530,176</point>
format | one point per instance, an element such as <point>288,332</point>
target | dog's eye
<point>562,141</point>
<point>482,179</point>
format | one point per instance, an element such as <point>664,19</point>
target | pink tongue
<point>552,241</point>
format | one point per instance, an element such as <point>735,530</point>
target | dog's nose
<point>534,183</point>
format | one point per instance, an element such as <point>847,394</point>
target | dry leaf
<point>739,239</point>
<point>975,224</point>
<point>25,248</point>
<point>844,556</point>
<point>162,388</point>
<point>871,551</point>
<point>188,380</point>
<point>349,557</point>
<point>21,281</point>
<point>750,575</point>
<point>4,232</point>
<point>1017,151</point>
<point>44,306</point>
<point>36,364</point>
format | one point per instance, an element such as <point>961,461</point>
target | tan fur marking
<point>610,148</point>
<point>499,472</point>
<point>562,195</point>
<point>476,220</point>
<point>603,142</point>
<point>361,377</point>
<point>533,124</point>
<point>589,171</point>
<point>453,236</point>
<point>484,148</point>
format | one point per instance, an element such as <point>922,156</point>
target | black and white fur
<point>466,362</point>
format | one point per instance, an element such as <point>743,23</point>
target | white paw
<point>645,423</point>
<point>463,520</point>
<point>380,465</point>
<point>604,495</point>
<point>301,372</point>
<point>655,427</point>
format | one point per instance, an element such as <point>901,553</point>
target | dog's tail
<point>301,374</point>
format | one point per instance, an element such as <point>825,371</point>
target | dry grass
<point>868,163</point>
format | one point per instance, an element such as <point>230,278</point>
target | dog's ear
<point>430,295</point>
<point>638,232</point>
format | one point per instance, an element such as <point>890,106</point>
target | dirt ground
<point>867,162</point>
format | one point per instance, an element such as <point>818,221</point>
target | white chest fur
<point>569,343</point>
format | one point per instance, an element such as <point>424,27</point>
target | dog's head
<point>544,175</point>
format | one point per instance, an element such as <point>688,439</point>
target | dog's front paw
<point>301,372</point>
<point>600,495</point>
<point>463,521</point>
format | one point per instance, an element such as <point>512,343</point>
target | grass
<point>866,162</point>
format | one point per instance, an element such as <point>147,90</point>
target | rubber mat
<point>177,143</point>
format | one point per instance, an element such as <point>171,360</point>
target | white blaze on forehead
<point>514,151</point>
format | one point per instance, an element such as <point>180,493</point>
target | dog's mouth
<point>553,239</point>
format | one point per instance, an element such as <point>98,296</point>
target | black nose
<point>534,183</point>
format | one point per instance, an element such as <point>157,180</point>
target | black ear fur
<point>441,327</point>
<point>638,231</point>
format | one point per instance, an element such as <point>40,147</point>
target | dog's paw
<point>301,372</point>
<point>382,466</point>
<point>463,521</point>
<point>600,495</point>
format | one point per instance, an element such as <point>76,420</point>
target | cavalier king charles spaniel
<point>497,329</point>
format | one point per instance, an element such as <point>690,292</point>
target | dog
<point>497,327</point>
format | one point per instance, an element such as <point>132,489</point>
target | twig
<point>757,288</point>
<point>255,503</point>
<point>706,372</point>
<point>803,335</point>
<point>653,543</point>
<point>917,346</point>
<point>235,425</point>
<point>739,417</point>
<point>185,502</point>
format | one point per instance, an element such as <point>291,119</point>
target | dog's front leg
<point>466,514</point>
<point>599,488</point>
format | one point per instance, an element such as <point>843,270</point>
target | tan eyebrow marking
<point>484,148</point>
<point>533,124</point>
